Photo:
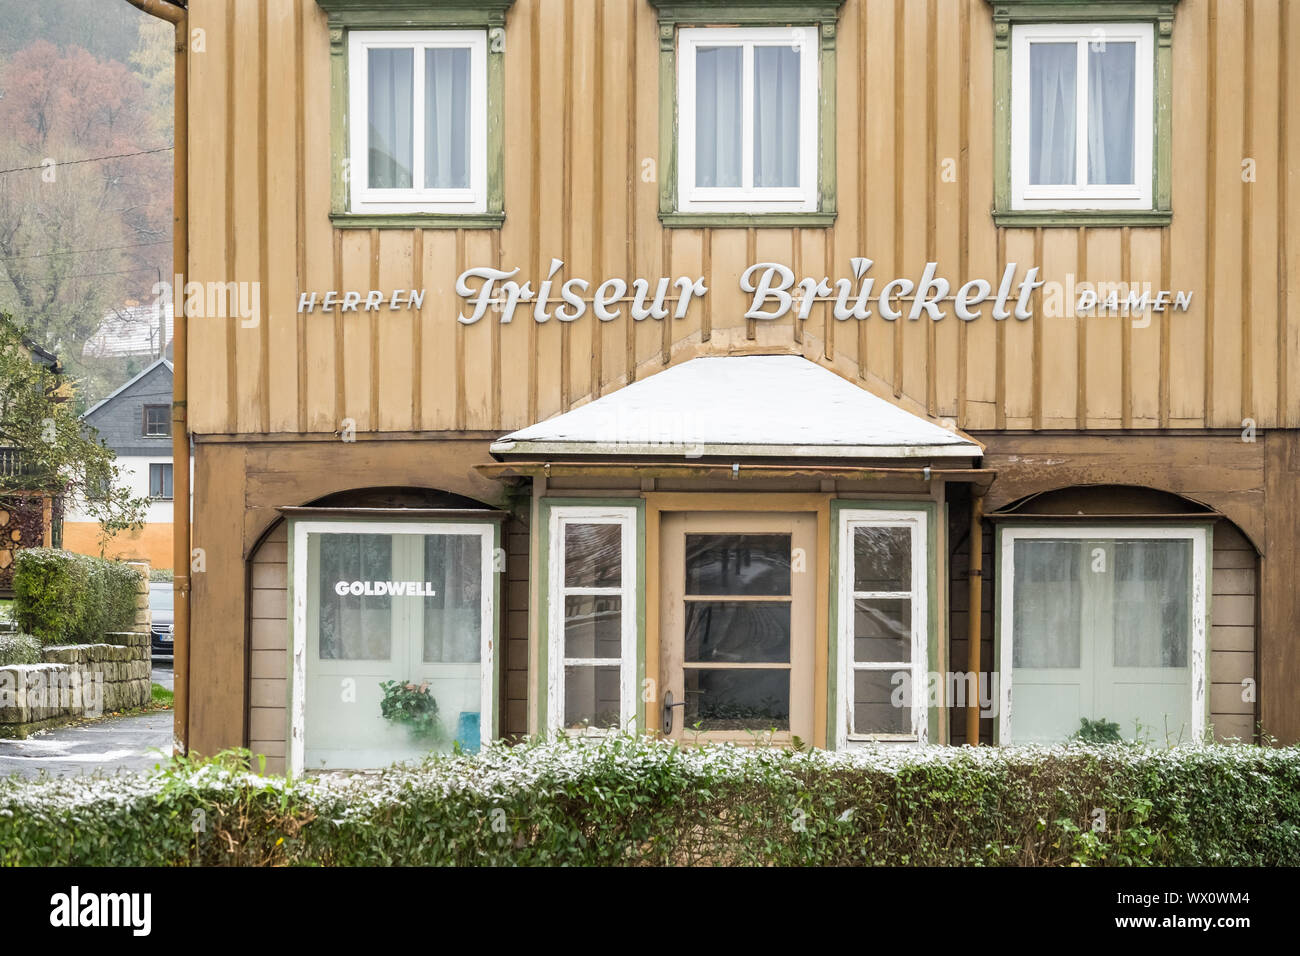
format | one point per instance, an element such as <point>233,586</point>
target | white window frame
<point>560,517</point>
<point>849,520</point>
<point>298,648</point>
<point>747,198</point>
<point>364,198</point>
<point>1080,195</point>
<point>1198,616</point>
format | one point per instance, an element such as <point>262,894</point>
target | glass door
<point>1102,630</point>
<point>737,622</point>
<point>374,606</point>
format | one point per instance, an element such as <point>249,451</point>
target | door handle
<point>668,711</point>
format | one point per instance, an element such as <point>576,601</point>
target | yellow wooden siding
<point>582,103</point>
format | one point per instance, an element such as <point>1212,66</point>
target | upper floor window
<point>1081,116</point>
<point>418,111</point>
<point>747,115</point>
<point>1083,112</point>
<point>157,421</point>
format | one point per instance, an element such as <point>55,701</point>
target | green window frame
<point>1008,14</point>
<point>846,515</point>
<point>549,613</point>
<point>676,14</point>
<point>346,16</point>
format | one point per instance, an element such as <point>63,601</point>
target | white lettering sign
<point>385,588</point>
<point>774,291</point>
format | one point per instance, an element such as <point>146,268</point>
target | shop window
<point>391,607</point>
<point>418,101</point>
<point>160,480</point>
<point>157,421</point>
<point>1104,626</point>
<point>884,628</point>
<point>747,116</point>
<point>1083,115</point>
<point>593,597</point>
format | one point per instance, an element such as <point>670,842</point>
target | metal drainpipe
<point>974,614</point>
<point>177,16</point>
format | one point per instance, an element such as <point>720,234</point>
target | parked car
<point>160,606</point>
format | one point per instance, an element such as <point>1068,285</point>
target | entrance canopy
<point>740,406</point>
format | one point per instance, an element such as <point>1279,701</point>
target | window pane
<point>1111,93</point>
<point>776,115</point>
<point>453,616</point>
<point>593,626</point>
<point>874,710</point>
<point>882,559</point>
<point>160,481</point>
<point>447,119</point>
<point>737,699</point>
<point>591,697</point>
<point>1052,116</point>
<point>593,555</point>
<point>751,564</point>
<point>389,108</point>
<point>1047,605</point>
<point>882,630</point>
<point>354,626</point>
<point>1152,612</point>
<point>737,632</point>
<point>157,421</point>
<point>717,116</point>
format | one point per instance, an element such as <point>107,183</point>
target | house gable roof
<point>125,387</point>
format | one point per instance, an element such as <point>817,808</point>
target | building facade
<point>135,421</point>
<point>649,363</point>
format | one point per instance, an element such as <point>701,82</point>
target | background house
<point>136,422</point>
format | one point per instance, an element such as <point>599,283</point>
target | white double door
<point>381,605</point>
<point>1103,629</point>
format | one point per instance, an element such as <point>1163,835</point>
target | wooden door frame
<point>818,504</point>
<point>801,526</point>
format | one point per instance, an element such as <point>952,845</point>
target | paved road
<point>162,672</point>
<point>115,744</point>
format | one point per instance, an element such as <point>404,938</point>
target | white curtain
<point>717,116</point>
<point>354,627</point>
<point>389,107</point>
<point>1151,603</point>
<point>446,129</point>
<point>1047,606</point>
<point>1052,113</point>
<point>1110,112</point>
<point>453,615</point>
<point>776,116</point>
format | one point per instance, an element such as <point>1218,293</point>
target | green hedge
<point>633,801</point>
<point>19,649</point>
<point>66,598</point>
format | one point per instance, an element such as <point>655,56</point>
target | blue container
<point>467,731</point>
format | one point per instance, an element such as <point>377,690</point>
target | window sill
<point>744,220</point>
<point>418,220</point>
<point>1029,218</point>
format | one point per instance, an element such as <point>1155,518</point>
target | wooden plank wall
<point>268,665</point>
<point>582,103</point>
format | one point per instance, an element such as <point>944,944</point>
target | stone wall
<point>77,681</point>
